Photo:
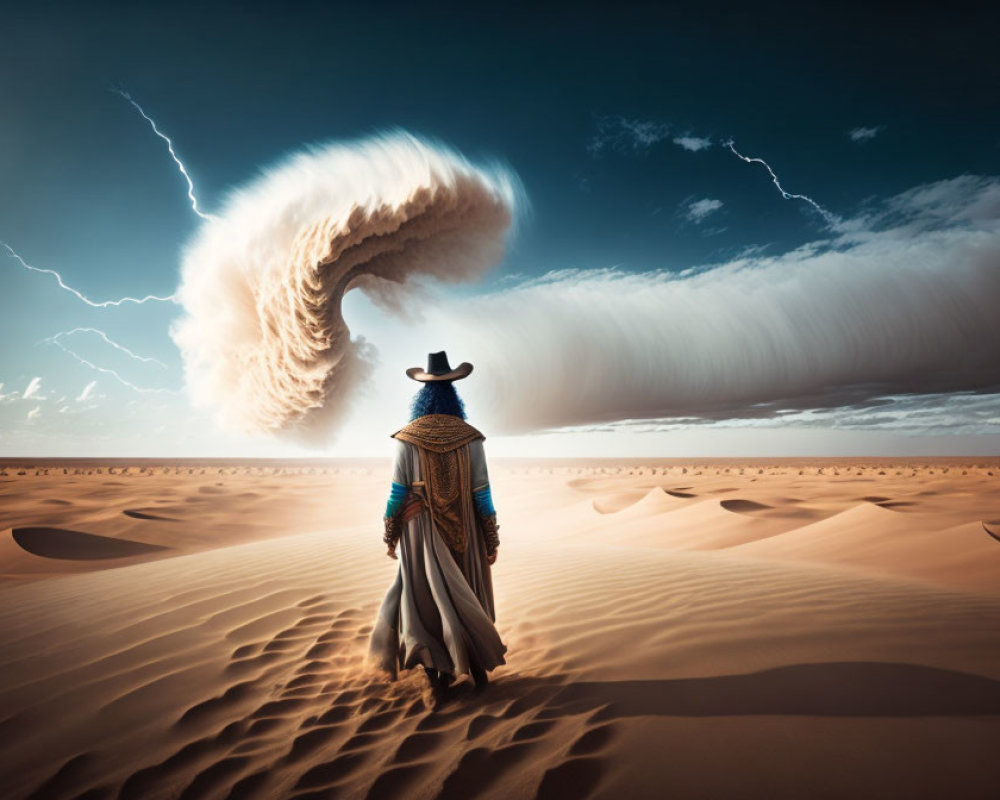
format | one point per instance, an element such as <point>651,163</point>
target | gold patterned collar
<point>439,433</point>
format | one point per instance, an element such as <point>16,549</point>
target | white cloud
<point>637,136</point>
<point>699,209</point>
<point>865,134</point>
<point>33,389</point>
<point>960,413</point>
<point>693,143</point>
<point>627,135</point>
<point>34,413</point>
<point>87,392</point>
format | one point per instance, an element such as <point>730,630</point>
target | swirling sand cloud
<point>263,338</point>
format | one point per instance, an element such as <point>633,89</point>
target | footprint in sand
<point>234,695</point>
<point>313,619</point>
<point>379,721</point>
<point>331,771</point>
<point>307,743</point>
<point>253,662</point>
<point>532,730</point>
<point>280,645</point>
<point>480,725</point>
<point>418,745</point>
<point>264,726</point>
<point>278,708</point>
<point>311,601</point>
<point>339,713</point>
<point>213,778</point>
<point>147,782</point>
<point>304,681</point>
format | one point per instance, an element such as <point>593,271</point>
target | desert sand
<point>772,628</point>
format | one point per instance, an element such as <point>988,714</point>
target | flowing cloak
<point>439,610</point>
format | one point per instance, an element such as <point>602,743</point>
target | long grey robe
<point>439,610</point>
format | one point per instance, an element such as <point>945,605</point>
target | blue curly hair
<point>437,397</point>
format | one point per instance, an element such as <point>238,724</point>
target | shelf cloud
<point>901,301</point>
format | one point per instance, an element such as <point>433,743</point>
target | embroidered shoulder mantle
<point>439,433</point>
<point>444,465</point>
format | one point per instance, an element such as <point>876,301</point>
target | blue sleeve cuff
<point>396,496</point>
<point>484,501</point>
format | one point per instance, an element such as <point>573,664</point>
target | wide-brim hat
<point>438,369</point>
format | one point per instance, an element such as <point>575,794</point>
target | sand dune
<point>779,633</point>
<point>62,543</point>
<point>640,504</point>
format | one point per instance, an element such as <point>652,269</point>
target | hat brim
<point>461,371</point>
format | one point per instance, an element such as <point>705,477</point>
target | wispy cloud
<point>860,135</point>
<point>33,389</point>
<point>34,413</point>
<point>698,210</point>
<point>693,143</point>
<point>638,136</point>
<point>87,392</point>
<point>625,135</point>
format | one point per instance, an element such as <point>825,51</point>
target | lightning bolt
<point>141,389</point>
<point>120,347</point>
<point>79,295</point>
<point>170,147</point>
<point>831,219</point>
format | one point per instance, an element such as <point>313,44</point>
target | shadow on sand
<point>834,689</point>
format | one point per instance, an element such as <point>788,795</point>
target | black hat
<point>438,369</point>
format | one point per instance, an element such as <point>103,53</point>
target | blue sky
<point>613,120</point>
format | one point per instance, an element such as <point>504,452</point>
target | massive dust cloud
<point>263,339</point>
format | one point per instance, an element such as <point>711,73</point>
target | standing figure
<point>439,611</point>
